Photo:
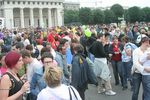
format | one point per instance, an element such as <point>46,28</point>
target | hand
<point>25,87</point>
<point>110,55</point>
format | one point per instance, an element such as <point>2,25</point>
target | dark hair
<point>99,35</point>
<point>45,49</point>
<point>144,39</point>
<point>46,55</point>
<point>79,48</point>
<point>25,53</point>
<point>125,39</point>
<point>59,48</point>
<point>29,47</point>
<point>63,41</point>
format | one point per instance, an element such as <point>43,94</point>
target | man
<point>33,66</point>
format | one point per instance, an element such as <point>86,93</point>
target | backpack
<point>36,53</point>
<point>87,74</point>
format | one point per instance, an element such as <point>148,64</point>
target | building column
<point>9,18</point>
<point>59,17</point>
<point>49,17</point>
<point>22,17</point>
<point>31,17</point>
<point>41,17</point>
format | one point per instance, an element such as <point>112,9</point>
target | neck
<point>143,47</point>
<point>13,72</point>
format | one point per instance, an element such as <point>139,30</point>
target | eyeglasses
<point>47,62</point>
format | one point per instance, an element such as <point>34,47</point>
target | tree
<point>118,11</point>
<point>109,16</point>
<point>85,15</point>
<point>146,11</point>
<point>134,14</point>
<point>98,16</point>
<point>71,16</point>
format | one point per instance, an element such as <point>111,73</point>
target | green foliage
<point>71,16</point>
<point>118,11</point>
<point>98,16</point>
<point>85,15</point>
<point>134,14</point>
<point>109,16</point>
<point>146,11</point>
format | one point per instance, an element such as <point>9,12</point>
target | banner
<point>1,22</point>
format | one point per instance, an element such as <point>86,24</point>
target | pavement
<point>91,93</point>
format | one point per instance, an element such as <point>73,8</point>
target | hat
<point>87,33</point>
<point>140,37</point>
<point>12,58</point>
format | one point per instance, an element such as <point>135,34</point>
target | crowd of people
<point>55,63</point>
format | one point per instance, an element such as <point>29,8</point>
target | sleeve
<point>75,73</point>
<point>136,63</point>
<point>111,49</point>
<point>33,84</point>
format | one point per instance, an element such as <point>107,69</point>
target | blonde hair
<point>52,76</point>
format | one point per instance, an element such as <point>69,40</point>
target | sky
<point>106,3</point>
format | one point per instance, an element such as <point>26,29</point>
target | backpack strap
<point>71,89</point>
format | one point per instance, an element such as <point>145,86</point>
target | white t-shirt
<point>26,42</point>
<point>59,93</point>
<point>32,68</point>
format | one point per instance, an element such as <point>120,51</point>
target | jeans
<point>146,87</point>
<point>137,79</point>
<point>127,72</point>
<point>118,72</point>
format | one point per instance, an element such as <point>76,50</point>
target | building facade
<point>72,5</point>
<point>32,13</point>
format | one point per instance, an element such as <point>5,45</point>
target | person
<point>37,82</point>
<point>55,90</point>
<point>101,68</point>
<point>62,63</point>
<point>12,87</point>
<point>145,61</point>
<point>3,67</point>
<point>137,68</point>
<point>33,66</point>
<point>127,60</point>
<point>116,49</point>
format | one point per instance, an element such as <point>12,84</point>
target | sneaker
<point>101,91</point>
<point>110,92</point>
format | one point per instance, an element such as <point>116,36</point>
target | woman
<point>12,87</point>
<point>116,49</point>
<point>55,90</point>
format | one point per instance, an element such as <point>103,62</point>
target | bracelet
<point>4,89</point>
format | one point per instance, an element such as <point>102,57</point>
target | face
<point>63,51</point>
<point>116,41</point>
<point>19,63</point>
<point>47,62</point>
<point>25,60</point>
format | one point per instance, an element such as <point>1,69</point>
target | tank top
<point>16,85</point>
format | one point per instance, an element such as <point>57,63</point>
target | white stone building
<point>26,13</point>
<point>72,5</point>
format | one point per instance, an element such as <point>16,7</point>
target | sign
<point>1,22</point>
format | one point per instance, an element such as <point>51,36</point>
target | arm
<point>34,83</point>
<point>75,72</point>
<point>5,86</point>
<point>136,63</point>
